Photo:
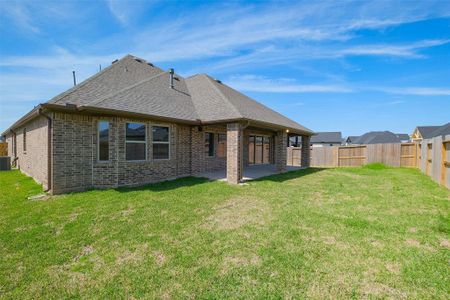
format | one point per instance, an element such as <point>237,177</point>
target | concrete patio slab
<point>250,172</point>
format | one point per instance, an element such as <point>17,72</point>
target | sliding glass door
<point>259,149</point>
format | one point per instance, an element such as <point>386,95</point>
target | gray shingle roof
<point>327,137</point>
<point>215,101</point>
<point>426,131</point>
<point>351,138</point>
<point>377,137</point>
<point>119,75</point>
<point>133,86</point>
<point>441,130</point>
<point>155,97</point>
<point>403,136</point>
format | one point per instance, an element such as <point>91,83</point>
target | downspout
<point>49,149</point>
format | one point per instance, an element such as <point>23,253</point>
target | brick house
<point>133,123</point>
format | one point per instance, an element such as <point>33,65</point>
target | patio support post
<point>281,150</point>
<point>235,152</point>
<point>306,151</point>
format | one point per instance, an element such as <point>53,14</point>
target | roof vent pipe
<point>74,79</point>
<point>171,78</point>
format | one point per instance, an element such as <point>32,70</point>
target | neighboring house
<point>403,137</point>
<point>133,124</point>
<point>427,132</point>
<point>326,139</point>
<point>351,139</point>
<point>379,137</point>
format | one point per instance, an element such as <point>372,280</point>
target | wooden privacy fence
<point>431,156</point>
<point>397,155</point>
<point>434,159</point>
<point>3,149</point>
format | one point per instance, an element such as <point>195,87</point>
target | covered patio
<point>249,172</point>
<point>257,151</point>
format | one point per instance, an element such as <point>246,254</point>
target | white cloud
<point>253,83</point>
<point>126,11</point>
<point>405,50</point>
<point>416,91</point>
<point>396,102</point>
<point>19,15</point>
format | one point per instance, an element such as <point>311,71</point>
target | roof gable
<point>119,75</point>
<point>217,101</point>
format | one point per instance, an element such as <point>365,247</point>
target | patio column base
<point>234,153</point>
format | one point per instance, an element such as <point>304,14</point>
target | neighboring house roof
<point>403,136</point>
<point>134,87</point>
<point>377,137</point>
<point>351,138</point>
<point>426,131</point>
<point>327,137</point>
<point>441,130</point>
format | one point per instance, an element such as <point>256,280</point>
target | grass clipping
<point>238,212</point>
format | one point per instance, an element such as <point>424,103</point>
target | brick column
<point>234,152</point>
<point>281,150</point>
<point>306,151</point>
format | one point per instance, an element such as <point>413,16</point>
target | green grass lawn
<point>370,232</point>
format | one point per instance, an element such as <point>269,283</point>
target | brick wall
<point>75,160</point>
<point>201,162</point>
<point>280,148</point>
<point>235,161</point>
<point>75,165</point>
<point>306,151</point>
<point>33,161</point>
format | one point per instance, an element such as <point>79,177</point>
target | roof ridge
<point>124,89</point>
<point>222,94</point>
<point>84,82</point>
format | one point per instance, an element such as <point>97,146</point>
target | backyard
<point>366,232</point>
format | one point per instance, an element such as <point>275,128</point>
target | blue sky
<point>350,66</point>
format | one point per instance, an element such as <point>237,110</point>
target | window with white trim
<point>161,142</point>
<point>136,141</point>
<point>103,140</point>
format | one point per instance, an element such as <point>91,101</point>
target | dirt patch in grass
<point>240,260</point>
<point>393,267</point>
<point>412,243</point>
<point>160,258</point>
<point>329,240</point>
<point>412,230</point>
<point>237,212</point>
<point>86,250</point>
<point>132,256</point>
<point>380,290</point>
<point>445,243</point>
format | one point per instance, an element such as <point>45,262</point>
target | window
<point>103,140</point>
<point>222,145</point>
<point>161,144</point>
<point>135,141</point>
<point>209,143</point>
<point>24,139</point>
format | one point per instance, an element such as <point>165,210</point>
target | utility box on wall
<point>5,163</point>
